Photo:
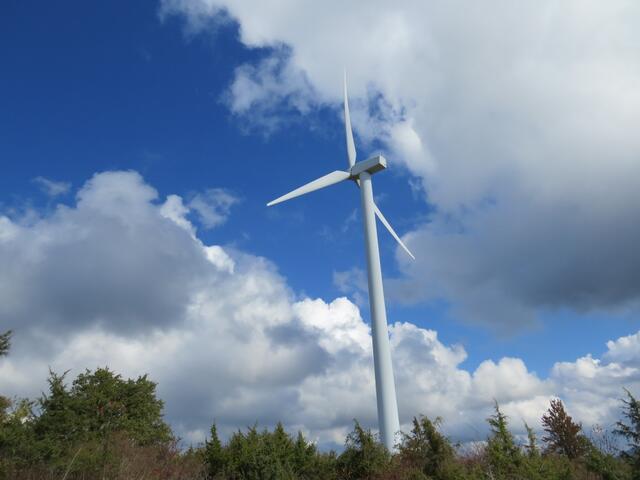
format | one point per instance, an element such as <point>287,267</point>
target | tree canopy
<point>101,425</point>
<point>630,431</point>
<point>563,435</point>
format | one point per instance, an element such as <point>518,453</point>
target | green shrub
<point>630,431</point>
<point>364,457</point>
<point>426,450</point>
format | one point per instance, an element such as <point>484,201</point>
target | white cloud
<point>173,208</point>
<point>519,120</point>
<point>259,90</point>
<point>624,350</point>
<point>51,187</point>
<point>352,282</point>
<point>213,206</point>
<point>120,279</point>
<point>8,230</point>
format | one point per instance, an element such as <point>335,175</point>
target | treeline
<point>102,426</point>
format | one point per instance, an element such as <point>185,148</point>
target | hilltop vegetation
<point>102,426</point>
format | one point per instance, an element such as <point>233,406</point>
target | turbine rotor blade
<point>326,181</point>
<point>391,230</point>
<point>351,146</point>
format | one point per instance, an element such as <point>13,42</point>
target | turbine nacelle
<point>371,165</point>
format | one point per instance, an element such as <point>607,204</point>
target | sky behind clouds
<point>140,144</point>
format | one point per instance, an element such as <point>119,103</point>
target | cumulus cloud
<point>120,278</point>
<point>518,120</point>
<point>83,264</point>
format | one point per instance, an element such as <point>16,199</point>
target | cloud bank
<point>120,278</point>
<point>519,121</point>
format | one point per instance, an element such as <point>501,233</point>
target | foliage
<point>564,436</point>
<point>631,432</point>
<point>427,451</point>
<point>97,405</point>
<point>532,443</point>
<point>263,454</point>
<point>606,466</point>
<point>213,454</point>
<point>103,426</point>
<point>5,343</point>
<point>363,457</point>
<point>79,425</point>
<point>503,455</point>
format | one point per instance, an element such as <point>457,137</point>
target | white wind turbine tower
<point>360,173</point>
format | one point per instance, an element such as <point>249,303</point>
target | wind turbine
<point>360,173</point>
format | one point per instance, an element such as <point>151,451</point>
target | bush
<point>364,457</point>
<point>104,426</point>
<point>426,450</point>
<point>266,455</point>
<point>564,436</point>
<point>503,455</point>
<point>631,432</point>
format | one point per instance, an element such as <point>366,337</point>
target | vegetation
<point>101,426</point>
<point>5,343</point>
<point>631,432</point>
<point>564,436</point>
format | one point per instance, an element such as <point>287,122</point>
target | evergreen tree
<point>363,457</point>
<point>502,452</point>
<point>16,434</point>
<point>532,446</point>
<point>104,402</point>
<point>214,454</point>
<point>564,436</point>
<point>99,403</point>
<point>304,457</point>
<point>5,343</point>
<point>98,409</point>
<point>535,466</point>
<point>631,432</point>
<point>426,449</point>
<point>253,456</point>
<point>57,426</point>
<point>282,446</point>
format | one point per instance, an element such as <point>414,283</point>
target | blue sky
<point>158,89</point>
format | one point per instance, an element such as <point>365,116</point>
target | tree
<point>564,436</point>
<point>106,402</point>
<point>426,449</point>
<point>57,426</point>
<point>532,446</point>
<point>5,342</point>
<point>99,408</point>
<point>257,455</point>
<point>99,403</point>
<point>363,457</point>
<point>631,432</point>
<point>502,452</point>
<point>309,463</point>
<point>214,454</point>
<point>16,434</point>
